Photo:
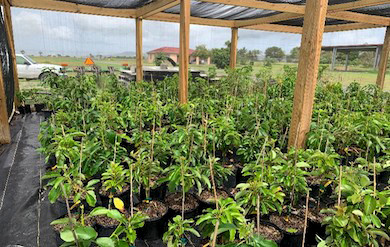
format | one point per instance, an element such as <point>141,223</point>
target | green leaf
<point>377,222</point>
<point>91,198</point>
<point>98,211</point>
<point>67,236</point>
<point>357,212</point>
<point>86,233</point>
<point>54,194</point>
<point>105,242</point>
<point>226,227</point>
<point>369,204</point>
<point>61,221</point>
<point>114,214</point>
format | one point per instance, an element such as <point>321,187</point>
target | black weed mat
<point>25,214</point>
<point>25,211</point>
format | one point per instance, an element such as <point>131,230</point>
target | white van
<point>29,69</point>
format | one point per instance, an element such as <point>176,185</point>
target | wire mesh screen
<point>6,65</point>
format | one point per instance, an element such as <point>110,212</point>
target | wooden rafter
<point>156,7</point>
<point>350,26</point>
<point>292,11</point>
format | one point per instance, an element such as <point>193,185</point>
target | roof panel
<point>222,11</point>
<point>118,4</point>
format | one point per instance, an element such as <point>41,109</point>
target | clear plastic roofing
<point>229,12</point>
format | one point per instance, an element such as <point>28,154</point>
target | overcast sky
<point>77,34</point>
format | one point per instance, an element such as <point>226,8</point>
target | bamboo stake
<point>374,177</point>
<point>306,215</point>
<point>69,215</point>
<point>339,196</point>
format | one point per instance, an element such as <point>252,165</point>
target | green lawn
<point>359,74</point>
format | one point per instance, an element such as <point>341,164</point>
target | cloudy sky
<point>79,35</point>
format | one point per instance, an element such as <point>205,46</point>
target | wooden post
<point>139,54</point>
<point>380,81</point>
<point>184,50</point>
<point>309,59</point>
<point>10,37</point>
<point>233,48</point>
<point>5,134</point>
<point>334,57</point>
<point>346,61</point>
<point>376,58</point>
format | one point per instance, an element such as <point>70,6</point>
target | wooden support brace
<point>309,59</point>
<point>10,37</point>
<point>139,54</point>
<point>380,81</point>
<point>185,6</point>
<point>5,134</point>
<point>233,48</point>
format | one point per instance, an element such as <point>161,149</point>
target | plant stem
<point>306,215</point>
<point>183,191</point>
<point>215,233</point>
<point>131,190</point>
<point>69,215</point>
<point>258,214</point>
<point>213,182</point>
<point>374,176</point>
<point>339,196</point>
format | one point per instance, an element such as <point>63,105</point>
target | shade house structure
<point>310,18</point>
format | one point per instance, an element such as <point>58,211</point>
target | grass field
<point>359,74</point>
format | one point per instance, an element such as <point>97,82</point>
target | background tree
<point>221,56</point>
<point>275,53</point>
<point>202,52</point>
<point>40,53</point>
<point>23,51</point>
<point>160,58</point>
<point>294,55</point>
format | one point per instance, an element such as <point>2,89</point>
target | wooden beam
<point>280,7</point>
<point>5,134</point>
<point>309,59</point>
<point>350,26</point>
<point>267,20</point>
<point>10,37</point>
<point>275,28</point>
<point>233,48</point>
<point>156,7</point>
<point>194,20</point>
<point>62,6</point>
<point>357,17</point>
<point>380,81</point>
<point>356,5</point>
<point>184,54</point>
<point>139,54</point>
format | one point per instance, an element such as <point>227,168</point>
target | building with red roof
<point>173,53</point>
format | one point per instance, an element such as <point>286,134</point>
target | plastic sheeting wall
<point>228,12</point>
<point>6,65</point>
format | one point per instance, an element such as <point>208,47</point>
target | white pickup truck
<point>29,69</point>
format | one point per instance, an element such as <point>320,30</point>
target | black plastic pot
<point>39,107</point>
<point>267,223</point>
<point>231,181</point>
<point>153,229</point>
<point>383,177</point>
<point>22,109</point>
<point>27,109</point>
<point>157,193</point>
<point>104,231</point>
<point>47,114</point>
<point>206,204</point>
<point>239,177</point>
<point>189,214</point>
<point>314,228</point>
<point>290,239</point>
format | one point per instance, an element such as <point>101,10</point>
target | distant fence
<point>6,65</point>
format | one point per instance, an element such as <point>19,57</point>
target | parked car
<point>29,69</point>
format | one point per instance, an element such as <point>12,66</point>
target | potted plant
<point>222,222</point>
<point>178,230</point>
